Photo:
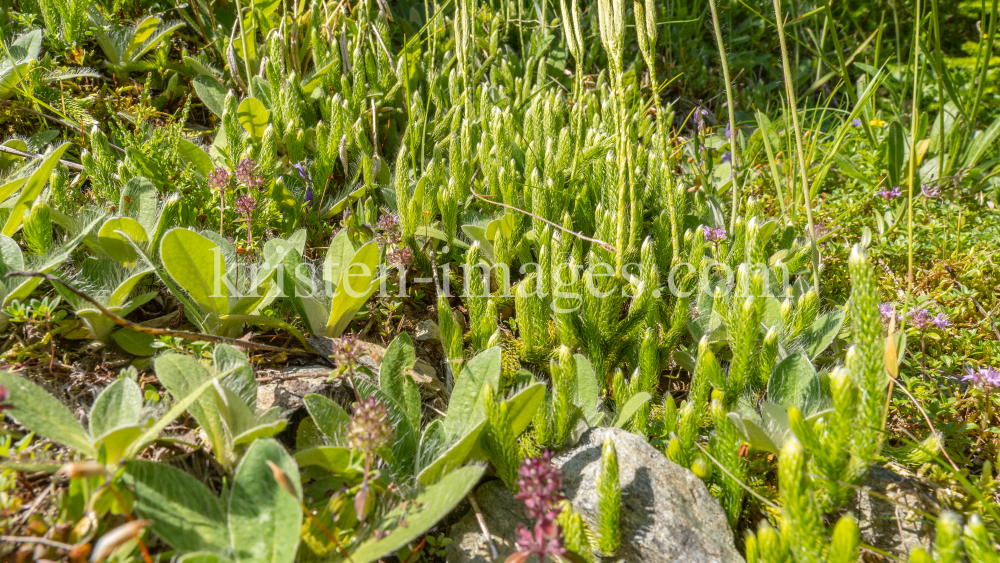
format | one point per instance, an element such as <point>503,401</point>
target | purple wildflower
<point>218,179</point>
<point>928,191</point>
<point>388,225</point>
<point>246,205</point>
<point>941,321</point>
<point>729,130</point>
<point>856,123</point>
<point>546,541</point>
<point>887,311</point>
<point>699,116</point>
<point>540,485</point>
<point>302,171</point>
<point>727,156</point>
<point>712,234</point>
<point>246,174</point>
<point>4,395</point>
<point>890,194</point>
<point>984,378</point>
<point>401,257</point>
<point>308,198</point>
<point>920,318</point>
<point>370,427</point>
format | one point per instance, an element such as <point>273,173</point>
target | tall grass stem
<point>734,166</point>
<point>793,106</point>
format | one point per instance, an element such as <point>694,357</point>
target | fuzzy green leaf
<point>824,329</point>
<point>794,383</point>
<point>196,264</point>
<point>32,189</point>
<point>211,92</point>
<point>253,116</point>
<point>521,408</point>
<point>411,519</point>
<point>264,519</point>
<point>118,405</point>
<point>454,456</point>
<point>399,357</point>
<point>43,414</point>
<point>465,408</point>
<point>113,239</point>
<point>631,407</point>
<point>330,418</point>
<point>186,515</point>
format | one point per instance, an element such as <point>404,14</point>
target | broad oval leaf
<point>335,459</point>
<point>411,519</point>
<point>338,256</point>
<point>465,408</point>
<point>113,239</point>
<point>211,92</point>
<point>43,414</point>
<point>357,284</point>
<point>794,383</point>
<point>631,407</point>
<point>824,329</point>
<point>399,357</point>
<point>197,265</point>
<point>521,408</point>
<point>264,519</point>
<point>186,515</point>
<point>453,457</point>
<point>330,418</point>
<point>195,156</point>
<point>140,201</point>
<point>118,405</point>
<point>253,116</point>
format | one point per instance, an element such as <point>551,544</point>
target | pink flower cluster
<point>985,378</point>
<point>540,487</point>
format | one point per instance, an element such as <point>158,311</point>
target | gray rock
<point>667,513</point>
<point>427,330</point>
<point>895,527</point>
<point>289,386</point>
<point>501,512</point>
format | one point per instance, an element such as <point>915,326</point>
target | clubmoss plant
<point>609,499</point>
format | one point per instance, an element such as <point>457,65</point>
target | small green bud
<point>844,545</point>
<point>701,467</point>
<point>38,228</point>
<point>752,551</point>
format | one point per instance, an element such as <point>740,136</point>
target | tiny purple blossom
<point>246,204</point>
<point>246,174</point>
<point>218,179</point>
<point>887,311</point>
<point>308,198</point>
<point>727,156</point>
<point>929,191</point>
<point>856,123</point>
<point>302,170</point>
<point>545,542</point>
<point>890,194</point>
<point>540,485</point>
<point>920,318</point>
<point>729,130</point>
<point>699,116</point>
<point>984,378</point>
<point>4,395</point>
<point>712,234</point>
<point>941,321</point>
